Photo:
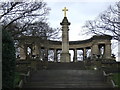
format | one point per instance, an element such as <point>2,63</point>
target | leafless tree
<point>107,23</point>
<point>26,19</point>
<point>43,30</point>
<point>16,16</point>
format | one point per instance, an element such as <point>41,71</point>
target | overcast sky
<point>78,12</point>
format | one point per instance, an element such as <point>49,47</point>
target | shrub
<point>8,60</point>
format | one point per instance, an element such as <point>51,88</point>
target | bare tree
<point>107,23</point>
<point>43,30</point>
<point>16,16</point>
<point>27,18</point>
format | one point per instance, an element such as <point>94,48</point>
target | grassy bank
<point>116,78</point>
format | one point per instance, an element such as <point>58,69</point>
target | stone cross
<point>65,9</point>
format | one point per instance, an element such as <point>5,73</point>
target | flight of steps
<point>67,77</point>
<point>66,66</point>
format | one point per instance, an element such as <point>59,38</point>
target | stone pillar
<point>65,56</point>
<point>46,53</point>
<point>40,54</point>
<point>55,55</point>
<point>95,51</point>
<point>75,55</point>
<point>84,53</point>
<point>22,52</point>
<point>36,51</point>
<point>107,53</point>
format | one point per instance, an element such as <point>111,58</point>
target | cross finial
<point>65,9</point>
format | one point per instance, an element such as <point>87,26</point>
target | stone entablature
<point>84,43</point>
<point>94,43</point>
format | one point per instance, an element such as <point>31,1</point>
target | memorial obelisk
<point>65,55</point>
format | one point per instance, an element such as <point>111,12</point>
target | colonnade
<point>41,53</point>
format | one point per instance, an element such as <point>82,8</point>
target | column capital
<point>95,44</point>
<point>55,49</point>
<point>75,49</point>
<point>107,43</point>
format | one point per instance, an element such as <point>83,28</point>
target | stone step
<point>65,66</point>
<point>67,79</point>
<point>66,85</point>
<point>69,75</point>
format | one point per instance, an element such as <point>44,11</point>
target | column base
<point>22,56</point>
<point>107,57</point>
<point>65,57</point>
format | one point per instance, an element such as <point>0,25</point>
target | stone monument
<point>65,55</point>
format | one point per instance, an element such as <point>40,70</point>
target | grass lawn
<point>116,78</point>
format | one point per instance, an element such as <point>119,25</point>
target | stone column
<point>84,53</point>
<point>95,51</point>
<point>40,55</point>
<point>75,55</point>
<point>55,55</point>
<point>46,53</point>
<point>22,52</point>
<point>36,51</point>
<point>107,53</point>
<point>65,56</point>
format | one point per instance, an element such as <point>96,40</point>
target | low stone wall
<point>110,67</point>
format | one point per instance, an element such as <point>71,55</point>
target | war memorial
<point>94,71</point>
